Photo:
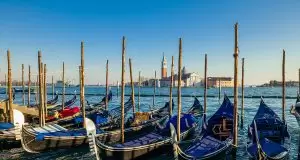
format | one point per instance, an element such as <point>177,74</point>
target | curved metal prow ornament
<point>91,132</point>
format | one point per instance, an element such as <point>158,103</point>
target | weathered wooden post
<point>29,84</point>
<point>23,86</point>
<point>235,55</point>
<point>37,89</point>
<point>52,88</point>
<point>139,94</point>
<point>154,91</point>
<point>243,74</point>
<point>10,98</point>
<point>64,89</point>
<point>5,79</point>
<point>41,97</point>
<point>205,83</point>
<point>132,86</point>
<point>106,89</point>
<point>45,90</point>
<point>219,90</point>
<point>171,88</point>
<point>82,84</point>
<point>283,85</point>
<point>122,90</point>
<point>179,89</point>
<point>118,85</point>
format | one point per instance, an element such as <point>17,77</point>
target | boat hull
<point>139,152</point>
<point>9,142</point>
<point>30,144</point>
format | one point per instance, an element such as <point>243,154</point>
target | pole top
<point>236,24</point>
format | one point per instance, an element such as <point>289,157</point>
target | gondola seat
<point>204,146</point>
<point>146,139</point>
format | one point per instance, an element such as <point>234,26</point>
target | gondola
<point>143,143</point>
<point>53,136</point>
<point>101,104</point>
<point>50,103</point>
<point>214,139</point>
<point>268,137</point>
<point>295,110</point>
<point>67,104</point>
<point>10,133</point>
<point>17,90</point>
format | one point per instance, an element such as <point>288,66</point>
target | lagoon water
<point>251,106</point>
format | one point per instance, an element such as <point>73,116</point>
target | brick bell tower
<point>164,67</point>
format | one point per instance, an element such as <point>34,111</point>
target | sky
<point>151,27</point>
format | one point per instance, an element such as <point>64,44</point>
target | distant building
<point>274,83</point>
<point>59,83</point>
<point>223,81</point>
<point>187,80</point>
<point>164,67</point>
<point>151,82</point>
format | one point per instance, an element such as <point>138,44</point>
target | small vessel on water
<point>50,103</point>
<point>214,139</point>
<point>149,140</point>
<point>268,137</point>
<point>20,90</point>
<point>295,110</point>
<point>53,136</point>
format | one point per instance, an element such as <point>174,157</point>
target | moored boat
<point>152,141</point>
<point>10,133</point>
<point>54,136</point>
<point>268,137</point>
<point>295,110</point>
<point>99,105</point>
<point>214,139</point>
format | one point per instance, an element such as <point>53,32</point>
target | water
<point>251,106</point>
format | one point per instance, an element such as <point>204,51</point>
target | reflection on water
<point>251,106</point>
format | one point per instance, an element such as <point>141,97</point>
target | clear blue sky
<point>151,27</point>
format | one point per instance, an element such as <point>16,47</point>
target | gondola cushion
<point>144,140</point>
<point>41,136</point>
<point>4,125</point>
<point>186,121</point>
<point>204,146</point>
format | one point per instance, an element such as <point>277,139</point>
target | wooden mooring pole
<point>205,83</point>
<point>235,102</point>
<point>154,91</point>
<point>37,89</point>
<point>29,85</point>
<point>41,97</point>
<point>122,90</point>
<point>10,98</point>
<point>5,79</point>
<point>139,94</point>
<point>132,86</point>
<point>242,108</point>
<point>45,90</point>
<point>52,88</point>
<point>219,90</point>
<point>283,85</point>
<point>82,97</point>
<point>64,89</point>
<point>106,87</point>
<point>23,86</point>
<point>179,89</point>
<point>171,88</point>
